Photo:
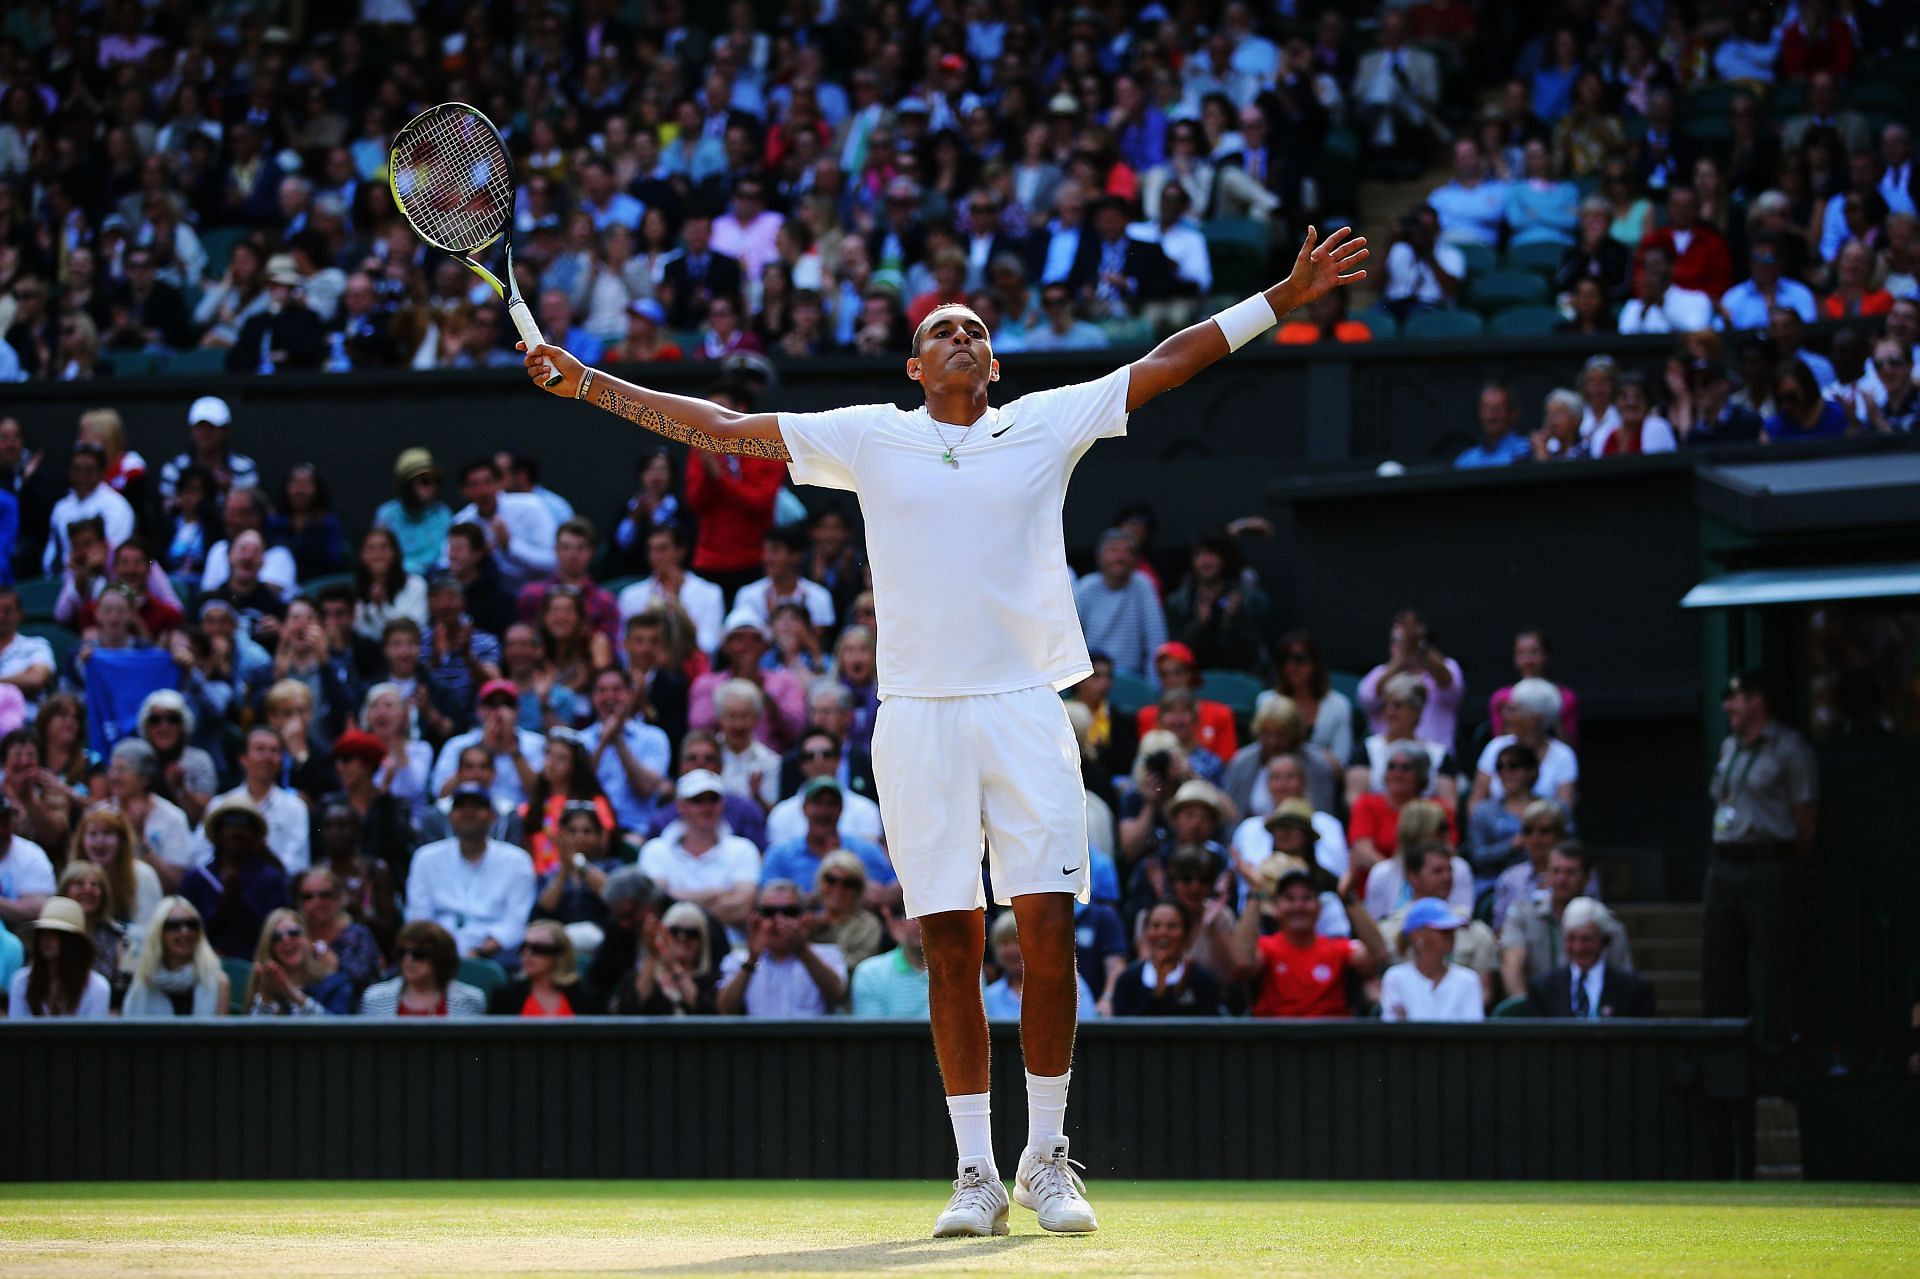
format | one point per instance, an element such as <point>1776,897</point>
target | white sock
<point>1046,1108</point>
<point>973,1128</point>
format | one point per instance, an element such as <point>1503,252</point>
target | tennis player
<point>977,636</point>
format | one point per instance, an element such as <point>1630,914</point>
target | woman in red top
<point>549,984</point>
<point>1853,292</point>
<point>429,959</point>
<point>1296,972</point>
<point>1373,827</point>
<point>567,775</point>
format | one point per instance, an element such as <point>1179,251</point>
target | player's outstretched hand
<point>1325,265</point>
<point>545,360</point>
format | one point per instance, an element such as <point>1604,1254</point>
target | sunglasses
<point>1538,830</point>
<point>829,754</point>
<point>779,912</point>
<point>684,934</point>
<point>416,952</point>
<point>1299,657</point>
<point>708,798</point>
<point>838,881</point>
<point>317,895</point>
<point>166,717</point>
<point>288,934</point>
<point>181,926</point>
<point>1511,767</point>
<point>1399,768</point>
<point>544,948</point>
<point>1193,879</point>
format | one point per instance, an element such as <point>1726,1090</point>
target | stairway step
<point>1666,953</point>
<point>1659,921</point>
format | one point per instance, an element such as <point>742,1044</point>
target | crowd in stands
<point>195,190</point>
<point>448,767</point>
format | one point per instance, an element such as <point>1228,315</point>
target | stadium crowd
<point>448,748</point>
<point>449,769</point>
<point>186,190</point>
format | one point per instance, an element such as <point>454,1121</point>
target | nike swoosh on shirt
<point>1002,431</point>
<point>1068,870</point>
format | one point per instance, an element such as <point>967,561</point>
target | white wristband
<point>1244,321</point>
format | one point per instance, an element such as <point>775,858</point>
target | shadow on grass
<point>892,1254</point>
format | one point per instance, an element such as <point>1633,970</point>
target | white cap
<point>210,408</point>
<point>700,781</point>
<point>742,620</point>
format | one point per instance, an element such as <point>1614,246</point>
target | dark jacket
<point>859,774</point>
<point>1621,994</point>
<point>687,297</point>
<point>667,704</point>
<point>1197,995</point>
<point>294,332</point>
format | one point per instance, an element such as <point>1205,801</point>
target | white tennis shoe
<point>978,1207</point>
<point>1048,1184</point>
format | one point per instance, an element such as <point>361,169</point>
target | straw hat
<point>62,915</point>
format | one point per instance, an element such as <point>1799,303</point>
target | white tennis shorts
<point>999,767</point>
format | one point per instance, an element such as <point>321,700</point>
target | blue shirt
<point>1470,214</point>
<point>1004,1005</point>
<point>620,208</point>
<point>793,860</point>
<point>1831,426</point>
<point>650,747</point>
<point>1510,449</point>
<point>1745,308</point>
<point>1097,933</point>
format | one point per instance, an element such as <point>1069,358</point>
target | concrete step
<point>1666,953</point>
<point>1673,983</point>
<point>1659,919</point>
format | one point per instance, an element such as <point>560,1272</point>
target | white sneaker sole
<point>965,1229</point>
<point>1076,1226</point>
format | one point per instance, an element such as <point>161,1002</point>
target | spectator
<point>675,976</point>
<point>653,505</point>
<point>125,470</point>
<point>630,756</point>
<point>1471,207</point>
<point>894,983</point>
<point>1712,418</point>
<point>481,887</point>
<point>1854,294</point>
<point>565,784</point>
<point>780,973</point>
<point>286,816</point>
<point>61,981</point>
<point>1494,828</point>
<point>1119,608</point>
<point>1543,827</point>
<point>1751,52</point>
<point>1422,273</point>
<point>1429,986</point>
<point>1530,718</point>
<point>691,280</point>
<point>1219,613</point>
<point>285,337</point>
<point>292,979</point>
<point>309,529</point>
<point>416,516</point>
<point>1284,786</point>
<point>1296,972</point>
<point>702,600</point>
<point>242,884</point>
<point>1766,790</point>
<point>1898,412</point>
<point>644,343</point>
<point>1803,414</point>
<point>1530,935</point>
<point>148,314</point>
<point>320,894</point>
<point>1002,996</point>
<point>1410,650</point>
<point>549,984</point>
<point>177,974</point>
<point>104,840</point>
<point>519,528</point>
<point>841,919</point>
<point>1661,306</point>
<point>1278,731</point>
<point>1750,304</point>
<point>699,858</point>
<point>1178,672</point>
<point>1163,983</point>
<point>187,775</point>
<point>1396,90</point>
<point>1588,312</point>
<point>1539,208</point>
<point>733,498</point>
<point>800,859</point>
<point>517,753</point>
<point>89,498</point>
<point>1596,254</point>
<point>425,987</point>
<point>783,555</point>
<point>1387,873</point>
<point>1499,444</point>
<point>165,843</point>
<point>1639,430</point>
<point>1587,986</point>
<point>486,600</point>
<point>1064,330</point>
<point>1588,136</point>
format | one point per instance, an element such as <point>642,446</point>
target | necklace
<point>948,456</point>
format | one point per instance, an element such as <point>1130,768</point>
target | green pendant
<point>947,457</point>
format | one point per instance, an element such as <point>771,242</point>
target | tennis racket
<point>453,182</point>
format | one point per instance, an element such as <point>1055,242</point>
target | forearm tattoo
<point>609,397</point>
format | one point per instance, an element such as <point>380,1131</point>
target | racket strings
<point>452,179</point>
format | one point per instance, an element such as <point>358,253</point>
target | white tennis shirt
<point>970,581</point>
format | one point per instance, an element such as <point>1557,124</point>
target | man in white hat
<point>210,423</point>
<point>285,337</point>
<point>699,859</point>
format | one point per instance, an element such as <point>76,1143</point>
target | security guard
<point>1764,792</point>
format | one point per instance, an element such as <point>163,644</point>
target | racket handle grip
<point>529,328</point>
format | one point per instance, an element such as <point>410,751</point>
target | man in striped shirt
<point>894,983</point>
<point>1119,608</point>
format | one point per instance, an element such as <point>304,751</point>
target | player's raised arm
<point>1321,267</point>
<point>698,423</point>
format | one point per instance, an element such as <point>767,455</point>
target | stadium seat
<point>1385,327</point>
<point>1541,257</point>
<point>59,638</point>
<point>1236,689</point>
<point>1134,332</point>
<point>134,364</point>
<point>310,590</point>
<point>1711,132</point>
<point>1443,325</point>
<point>1524,322</point>
<point>1236,267</point>
<point>239,973</point>
<point>1130,693</point>
<point>1250,232</point>
<point>1499,290</point>
<point>1712,99</point>
<point>1878,96</point>
<point>482,974</point>
<point>1787,98</point>
<point>1347,684</point>
<point>37,596</point>
<point>195,363</point>
<point>1480,259</point>
<point>1511,1006</point>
